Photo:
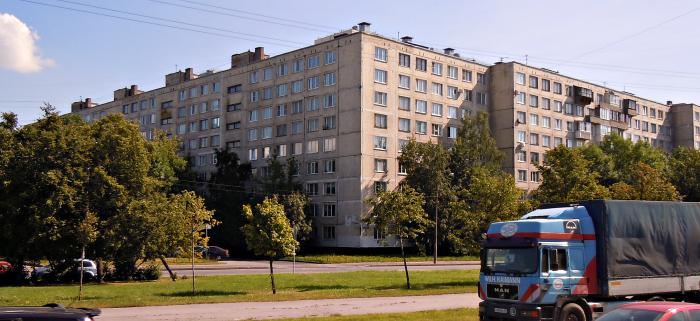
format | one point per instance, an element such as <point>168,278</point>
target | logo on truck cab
<point>509,229</point>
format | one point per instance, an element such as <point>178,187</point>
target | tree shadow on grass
<point>314,287</point>
<point>203,293</point>
<point>421,286</point>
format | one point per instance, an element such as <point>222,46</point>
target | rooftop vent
<point>669,102</point>
<point>364,26</point>
<point>449,51</point>
<point>407,39</point>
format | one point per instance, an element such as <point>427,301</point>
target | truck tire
<point>572,312</point>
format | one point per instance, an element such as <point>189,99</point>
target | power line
<point>260,15</point>
<point>153,23</point>
<point>238,16</point>
<point>179,22</point>
<point>634,34</point>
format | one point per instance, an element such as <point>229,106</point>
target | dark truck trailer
<point>646,247</point>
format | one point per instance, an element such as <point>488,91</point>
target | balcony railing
<point>583,96</point>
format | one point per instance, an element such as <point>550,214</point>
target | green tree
<point>401,214</point>
<point>226,195</point>
<point>295,204</point>
<point>567,177</point>
<point>268,232</point>
<point>428,172</point>
<point>645,183</point>
<point>492,197</point>
<point>624,154</point>
<point>685,173</point>
<point>474,148</point>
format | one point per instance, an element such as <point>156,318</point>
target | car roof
<point>51,310</point>
<point>661,306</point>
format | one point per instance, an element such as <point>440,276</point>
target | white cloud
<point>18,50</point>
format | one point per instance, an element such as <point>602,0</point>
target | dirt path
<point>292,309</point>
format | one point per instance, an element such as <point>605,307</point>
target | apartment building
<point>344,107</point>
<point>686,125</point>
<point>534,109</point>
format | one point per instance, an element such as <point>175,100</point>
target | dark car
<point>55,312</point>
<point>212,252</point>
<point>654,311</point>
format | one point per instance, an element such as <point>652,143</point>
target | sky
<point>59,51</point>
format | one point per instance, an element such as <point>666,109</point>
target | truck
<point>574,262</point>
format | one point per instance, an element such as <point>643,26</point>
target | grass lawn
<point>238,288</point>
<point>442,315</point>
<point>332,258</point>
<point>186,260</point>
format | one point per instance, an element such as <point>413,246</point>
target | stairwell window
<point>380,54</point>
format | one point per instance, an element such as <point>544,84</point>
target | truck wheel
<point>572,312</point>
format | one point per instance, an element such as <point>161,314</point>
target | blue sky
<point>645,47</point>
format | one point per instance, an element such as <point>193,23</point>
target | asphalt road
<point>292,309</point>
<point>262,267</point>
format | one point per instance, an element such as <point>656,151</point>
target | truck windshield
<point>517,261</point>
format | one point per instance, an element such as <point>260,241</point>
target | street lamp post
<point>435,249</point>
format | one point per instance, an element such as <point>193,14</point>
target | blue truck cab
<point>574,262</point>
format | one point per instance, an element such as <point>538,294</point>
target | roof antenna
<point>525,60</point>
<point>175,67</point>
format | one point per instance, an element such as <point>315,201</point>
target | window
<point>404,103</point>
<point>312,125</point>
<point>437,110</point>
<point>451,132</point>
<point>554,260</point>
<point>297,127</point>
<point>203,142</point>
<point>534,82</point>
<point>282,90</point>
<point>312,147</point>
<point>314,61</point>
<point>328,122</point>
<point>421,85</point>
<point>297,86</point>
<point>253,116</point>
<point>283,70</point>
<point>467,95</point>
<point>298,65</point>
<point>234,107</point>
<point>313,104</point>
<point>380,98</point>
<point>330,101</point>
<point>534,101</point>
<point>329,188</point>
<point>545,87</point>
<point>480,78</point>
<point>253,154</point>
<point>421,127</point>
<point>466,75</point>
<point>404,60</point>
<point>569,109</point>
<point>379,187</point>
<point>557,106</point>
<point>329,79</point>
<point>329,166</point>
<point>281,110</point>
<point>452,72</point>
<point>404,125</point>
<point>452,112</point>
<point>267,112</point>
<point>380,54</point>
<point>313,83</point>
<point>546,141</point>
<point>437,68</point>
<point>404,82</point>
<point>193,127</point>
<point>252,134</point>
<point>312,188</point>
<point>557,141</point>
<point>545,103</point>
<point>281,130</point>
<point>254,96</point>
<point>378,234</point>
<point>437,130</point>
<point>521,136</point>
<point>421,106</point>
<point>521,156</point>
<point>267,73</point>
<point>452,92</point>
<point>556,88</point>
<point>521,117</point>
<point>380,142</point>
<point>328,231</point>
<point>519,78</point>
<point>546,122</point>
<point>330,57</point>
<point>437,89</point>
<point>380,121</point>
<point>312,168</point>
<point>421,64</point>
<point>380,76</point>
<point>297,107</point>
<point>204,124</point>
<point>380,165</point>
<point>481,98</point>
<point>296,149</point>
<point>401,144</point>
<point>329,144</point>
<point>215,122</point>
<point>522,175</point>
<point>534,176</point>
<point>282,150</point>
<point>520,98</point>
<point>267,133</point>
<point>534,120</point>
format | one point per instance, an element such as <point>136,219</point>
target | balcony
<point>579,134</point>
<point>630,107</point>
<point>583,96</point>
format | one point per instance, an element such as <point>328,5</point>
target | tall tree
<point>567,177</point>
<point>268,232</point>
<point>401,214</point>
<point>624,154</point>
<point>295,204</point>
<point>684,170</point>
<point>645,183</point>
<point>474,148</point>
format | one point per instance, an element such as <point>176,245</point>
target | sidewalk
<point>258,264</point>
<point>292,309</point>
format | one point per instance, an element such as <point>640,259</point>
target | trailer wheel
<point>572,312</point>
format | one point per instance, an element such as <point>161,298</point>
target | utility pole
<point>193,288</point>
<point>435,249</point>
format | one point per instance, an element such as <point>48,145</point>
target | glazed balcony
<point>583,96</point>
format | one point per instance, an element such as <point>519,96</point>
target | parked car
<point>654,311</point>
<point>213,252</point>
<point>48,312</point>
<point>89,267</point>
